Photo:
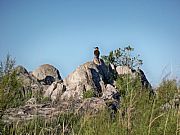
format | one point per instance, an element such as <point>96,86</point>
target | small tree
<point>7,66</point>
<point>123,57</point>
<point>10,86</point>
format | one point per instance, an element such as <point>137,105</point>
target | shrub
<point>88,94</point>
<point>10,87</point>
<point>167,90</point>
<point>123,57</point>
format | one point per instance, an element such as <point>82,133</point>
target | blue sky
<point>64,32</point>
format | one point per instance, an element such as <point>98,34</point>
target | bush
<point>10,87</point>
<point>123,57</point>
<point>167,91</point>
<point>88,94</point>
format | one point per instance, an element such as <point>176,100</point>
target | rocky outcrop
<point>55,90</point>
<point>73,94</point>
<point>33,86</point>
<point>48,110</point>
<point>46,74</point>
<point>68,95</point>
<point>88,76</point>
<point>111,93</point>
<point>112,99</point>
<point>124,70</point>
<point>29,83</point>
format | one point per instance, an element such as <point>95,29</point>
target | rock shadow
<point>96,79</point>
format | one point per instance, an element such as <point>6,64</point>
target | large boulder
<point>112,98</point>
<point>30,85</point>
<point>55,90</point>
<point>73,94</point>
<point>111,93</point>
<point>88,76</point>
<point>21,70</point>
<point>46,74</point>
<point>124,70</point>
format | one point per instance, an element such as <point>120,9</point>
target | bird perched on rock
<point>96,52</point>
<point>96,56</point>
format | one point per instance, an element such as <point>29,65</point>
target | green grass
<point>88,94</point>
<point>137,116</point>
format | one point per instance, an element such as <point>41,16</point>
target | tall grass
<point>137,115</point>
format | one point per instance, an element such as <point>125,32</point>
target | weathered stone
<point>88,76</point>
<point>112,99</point>
<point>47,110</point>
<point>21,70</point>
<point>91,105</point>
<point>110,93</point>
<point>121,70</point>
<point>55,90</point>
<point>46,74</point>
<point>124,70</point>
<point>72,95</point>
<point>30,85</point>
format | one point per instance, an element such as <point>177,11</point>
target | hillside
<point>97,98</point>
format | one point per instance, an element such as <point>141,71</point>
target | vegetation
<point>10,87</point>
<point>88,94</point>
<point>63,124</point>
<point>167,91</point>
<point>126,83</point>
<point>123,57</point>
<point>137,114</point>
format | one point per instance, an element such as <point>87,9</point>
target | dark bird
<point>96,52</point>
